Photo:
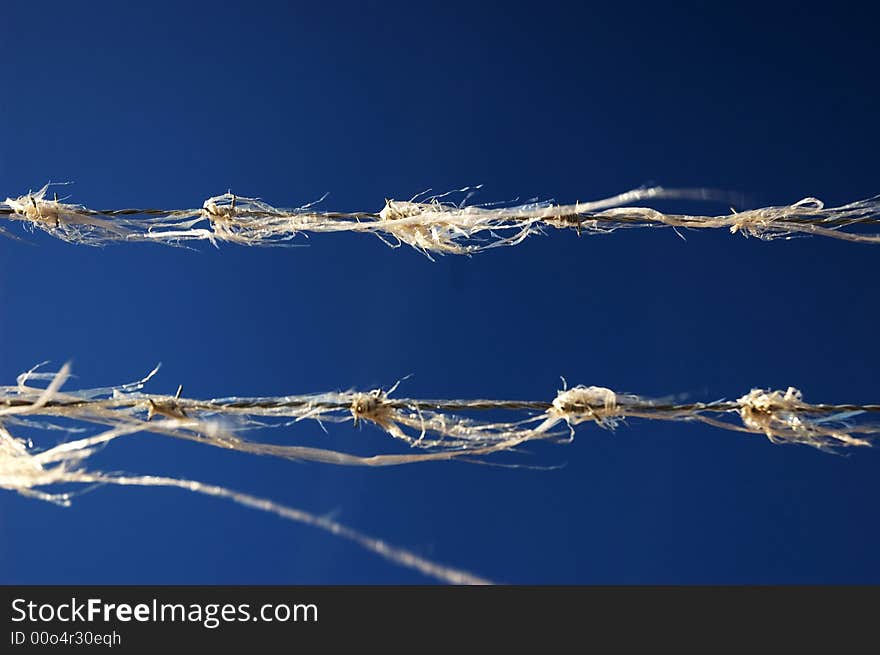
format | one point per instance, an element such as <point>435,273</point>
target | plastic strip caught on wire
<point>433,226</point>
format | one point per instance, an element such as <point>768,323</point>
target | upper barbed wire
<point>434,225</point>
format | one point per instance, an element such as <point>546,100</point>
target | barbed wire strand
<point>432,430</point>
<point>433,225</point>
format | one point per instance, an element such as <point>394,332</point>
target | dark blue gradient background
<point>165,104</point>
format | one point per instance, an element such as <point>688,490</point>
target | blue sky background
<point>165,104</point>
